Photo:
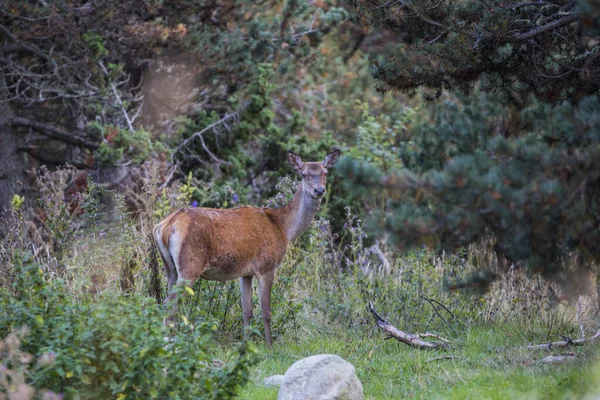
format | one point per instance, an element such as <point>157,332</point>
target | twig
<point>532,3</point>
<point>422,18</point>
<point>200,133</point>
<point>409,339</point>
<point>28,46</point>
<point>433,335</point>
<point>210,153</point>
<point>308,32</point>
<point>430,301</point>
<point>117,97</point>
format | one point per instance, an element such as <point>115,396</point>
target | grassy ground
<point>493,367</point>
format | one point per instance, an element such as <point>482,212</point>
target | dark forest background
<point>470,132</point>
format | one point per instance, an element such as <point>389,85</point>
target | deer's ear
<point>294,160</point>
<point>332,158</point>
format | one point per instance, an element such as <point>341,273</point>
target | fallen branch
<point>433,335</point>
<point>446,358</point>
<point>557,359</point>
<point>564,343</point>
<point>408,338</point>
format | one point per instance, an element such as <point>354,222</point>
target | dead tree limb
<point>564,343</point>
<point>446,358</point>
<point>433,335</point>
<point>55,133</point>
<point>408,338</point>
<point>117,97</point>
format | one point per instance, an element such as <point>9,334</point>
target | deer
<point>242,242</point>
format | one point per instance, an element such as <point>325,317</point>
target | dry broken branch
<point>564,343</point>
<point>433,335</point>
<point>408,338</point>
<point>446,358</point>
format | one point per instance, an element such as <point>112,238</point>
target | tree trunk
<point>12,162</point>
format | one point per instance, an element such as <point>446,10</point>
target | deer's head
<point>314,174</point>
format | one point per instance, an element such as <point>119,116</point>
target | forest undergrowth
<point>82,314</point>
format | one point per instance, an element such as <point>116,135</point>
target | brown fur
<point>208,250</point>
<point>243,242</point>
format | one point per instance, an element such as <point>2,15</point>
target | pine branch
<point>541,29</point>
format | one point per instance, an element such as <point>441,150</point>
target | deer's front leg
<point>246,287</point>
<point>265,282</point>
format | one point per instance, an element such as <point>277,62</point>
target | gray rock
<point>274,380</point>
<point>321,377</point>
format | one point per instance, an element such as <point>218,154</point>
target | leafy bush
<point>115,346</point>
<point>120,143</point>
<point>16,369</point>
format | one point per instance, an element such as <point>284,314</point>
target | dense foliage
<point>160,105</point>
<point>517,48</point>
<point>113,347</point>
<point>475,167</point>
<point>536,191</point>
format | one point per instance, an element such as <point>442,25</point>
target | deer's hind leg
<point>187,270</point>
<point>166,257</point>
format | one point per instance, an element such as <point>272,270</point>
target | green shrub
<point>115,346</point>
<point>120,144</point>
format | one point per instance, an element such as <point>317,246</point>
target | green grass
<point>493,366</point>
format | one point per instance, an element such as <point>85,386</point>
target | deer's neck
<point>294,217</point>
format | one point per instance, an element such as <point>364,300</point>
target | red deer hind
<point>241,242</point>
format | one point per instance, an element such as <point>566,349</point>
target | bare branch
<point>55,133</point>
<point>430,301</point>
<point>201,132</point>
<point>552,25</point>
<point>564,343</point>
<point>28,46</point>
<point>433,335</point>
<point>408,338</point>
<point>422,18</point>
<point>445,358</point>
<point>532,3</point>
<point>117,97</point>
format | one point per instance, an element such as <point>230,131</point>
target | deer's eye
<point>304,176</point>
